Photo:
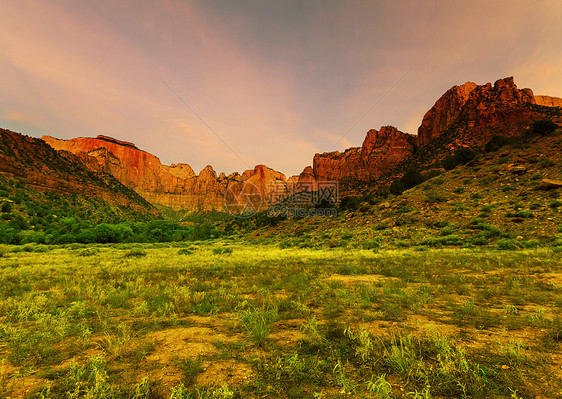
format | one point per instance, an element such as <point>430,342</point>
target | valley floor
<point>225,319</point>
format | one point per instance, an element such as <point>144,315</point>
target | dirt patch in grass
<point>425,324</point>
<point>554,279</point>
<point>220,321</point>
<point>288,332</point>
<point>224,371</point>
<point>186,342</point>
<point>21,387</point>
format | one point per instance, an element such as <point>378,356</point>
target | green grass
<point>271,322</point>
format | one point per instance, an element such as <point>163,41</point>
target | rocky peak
<point>507,92</point>
<point>381,151</point>
<point>388,137</point>
<point>444,112</point>
<point>307,177</point>
<point>175,186</point>
<point>181,170</point>
<point>471,105</point>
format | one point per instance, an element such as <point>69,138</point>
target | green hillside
<point>496,199</point>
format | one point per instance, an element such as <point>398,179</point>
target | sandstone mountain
<point>465,115</point>
<point>175,186</point>
<point>381,151</point>
<point>490,110</point>
<point>473,106</point>
<point>37,164</point>
<point>444,113</point>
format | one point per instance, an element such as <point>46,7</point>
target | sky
<point>236,83</point>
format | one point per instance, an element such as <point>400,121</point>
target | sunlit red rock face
<point>549,101</point>
<point>477,107</point>
<point>41,167</point>
<point>466,115</point>
<point>381,151</point>
<point>444,113</point>
<point>175,186</point>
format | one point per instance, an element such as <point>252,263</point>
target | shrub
<point>432,197</point>
<point>506,244</point>
<point>135,253</point>
<point>496,143</point>
<point>372,244</point>
<point>396,188</point>
<point>258,322</point>
<point>543,127</point>
<point>89,252</point>
<point>349,203</point>
<point>411,178</point>
<point>6,207</point>
<point>487,208</point>
<point>449,163</point>
<point>462,155</point>
<point>555,204</point>
<point>222,250</point>
<point>522,214</point>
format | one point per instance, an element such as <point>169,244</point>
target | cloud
<point>277,81</point>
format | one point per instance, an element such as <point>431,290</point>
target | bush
<point>396,188</point>
<point>496,143</point>
<point>462,155</point>
<point>105,233</point>
<point>222,250</point>
<point>411,179</point>
<point>89,252</point>
<point>543,127</point>
<point>372,244</point>
<point>349,203</point>
<point>555,204</point>
<point>506,244</point>
<point>135,253</point>
<point>432,197</point>
<point>6,207</point>
<point>449,163</point>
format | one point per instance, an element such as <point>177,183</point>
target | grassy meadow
<point>228,319</point>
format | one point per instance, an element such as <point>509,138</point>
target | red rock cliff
<point>381,151</point>
<point>549,101</point>
<point>473,106</point>
<point>33,161</point>
<point>175,186</point>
